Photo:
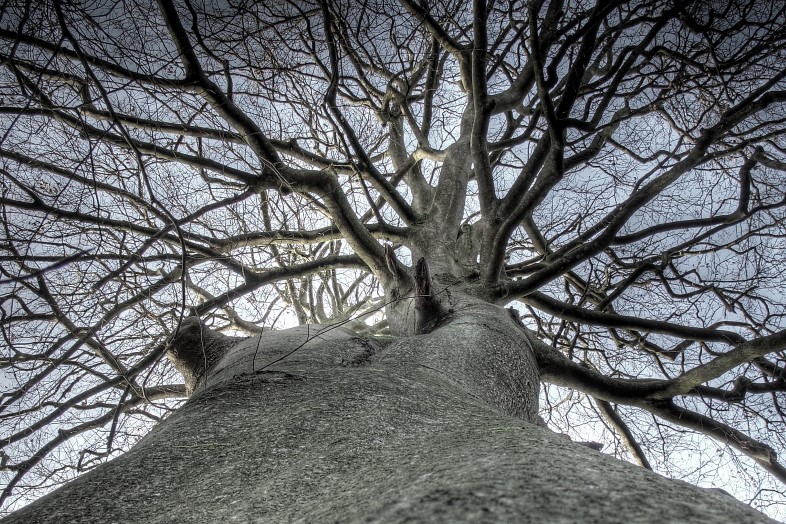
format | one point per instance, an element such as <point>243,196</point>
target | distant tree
<point>615,171</point>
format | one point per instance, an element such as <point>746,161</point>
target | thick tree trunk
<point>436,427</point>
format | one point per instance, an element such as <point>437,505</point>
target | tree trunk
<point>437,427</point>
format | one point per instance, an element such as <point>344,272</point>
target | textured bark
<point>319,425</point>
<point>196,349</point>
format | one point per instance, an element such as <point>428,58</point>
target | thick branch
<point>579,314</point>
<point>761,453</point>
<point>743,353</point>
<point>624,432</point>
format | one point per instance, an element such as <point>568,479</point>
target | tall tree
<point>397,172</point>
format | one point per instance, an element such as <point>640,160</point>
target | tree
<point>398,173</point>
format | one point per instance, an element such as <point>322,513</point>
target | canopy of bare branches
<point>614,169</point>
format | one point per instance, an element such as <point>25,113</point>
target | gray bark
<point>438,427</point>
